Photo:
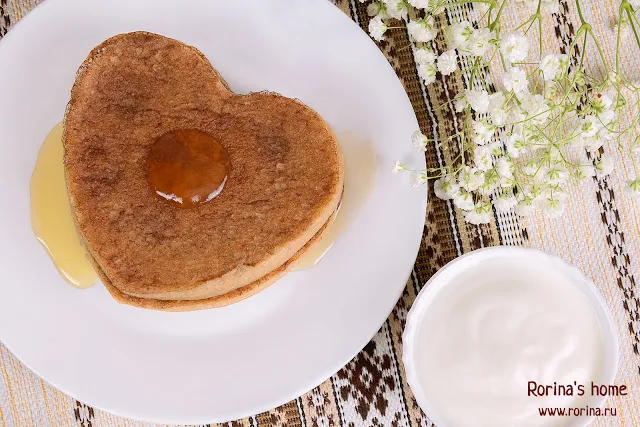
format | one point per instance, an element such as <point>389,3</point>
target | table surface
<point>599,233</point>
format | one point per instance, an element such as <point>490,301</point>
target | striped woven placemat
<point>599,233</point>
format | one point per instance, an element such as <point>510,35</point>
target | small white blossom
<point>470,178</point>
<point>484,131</point>
<point>632,189</point>
<point>460,104</point>
<point>427,72</point>
<point>482,157</point>
<point>514,47</point>
<point>515,79</point>
<point>419,141</point>
<point>604,166</point>
<point>424,56</point>
<point>594,143</point>
<point>398,166</point>
<point>377,28</point>
<point>396,9</point>
<point>515,144</point>
<point>461,33</point>
<point>555,174</point>
<point>504,167</point>
<point>445,188</point>
<point>552,64</point>
<point>479,41</point>
<point>554,207</point>
<point>496,108</point>
<point>448,62</point>
<point>525,206</point>
<point>602,104</point>
<point>480,214</point>
<point>414,179</point>
<point>463,200</point>
<point>422,31</point>
<point>478,99</point>
<point>504,202</point>
<point>535,107</point>
<point>590,126</point>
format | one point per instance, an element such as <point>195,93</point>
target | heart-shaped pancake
<point>134,98</point>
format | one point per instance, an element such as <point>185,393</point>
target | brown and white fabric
<point>599,233</point>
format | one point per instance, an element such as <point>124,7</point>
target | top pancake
<point>285,181</point>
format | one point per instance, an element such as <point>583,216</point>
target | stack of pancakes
<point>283,187</point>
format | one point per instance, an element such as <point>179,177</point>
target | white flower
<point>515,144</point>
<point>424,56</point>
<point>602,106</point>
<point>535,108</point>
<point>554,207</point>
<point>504,167</point>
<point>604,166</point>
<point>396,9</point>
<point>478,99</point>
<point>551,65</point>
<point>470,178</point>
<point>445,187</point>
<point>422,31</point>
<point>418,178</point>
<point>463,200</point>
<point>484,131</point>
<point>460,104</point>
<point>514,47</point>
<point>496,108</point>
<point>632,189</point>
<point>448,62</point>
<point>515,79</point>
<point>419,141</point>
<point>427,72</point>
<point>482,157</point>
<point>555,174</point>
<point>504,202</point>
<point>461,33</point>
<point>377,28</point>
<point>480,214</point>
<point>590,126</point>
<point>593,144</point>
<point>398,166</point>
<point>525,206</point>
<point>478,43</point>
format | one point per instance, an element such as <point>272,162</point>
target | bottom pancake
<point>232,297</point>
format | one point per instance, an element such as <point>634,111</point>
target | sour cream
<point>486,329</point>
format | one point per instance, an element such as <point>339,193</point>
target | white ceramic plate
<point>221,364</point>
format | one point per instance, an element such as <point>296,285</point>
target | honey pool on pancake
<point>187,167</point>
<point>196,177</point>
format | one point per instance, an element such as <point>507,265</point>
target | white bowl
<point>472,260</point>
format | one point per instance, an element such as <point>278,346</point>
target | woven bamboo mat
<point>599,233</point>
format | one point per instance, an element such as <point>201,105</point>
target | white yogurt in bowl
<point>502,332</point>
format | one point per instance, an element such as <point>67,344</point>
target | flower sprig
<point>548,124</point>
